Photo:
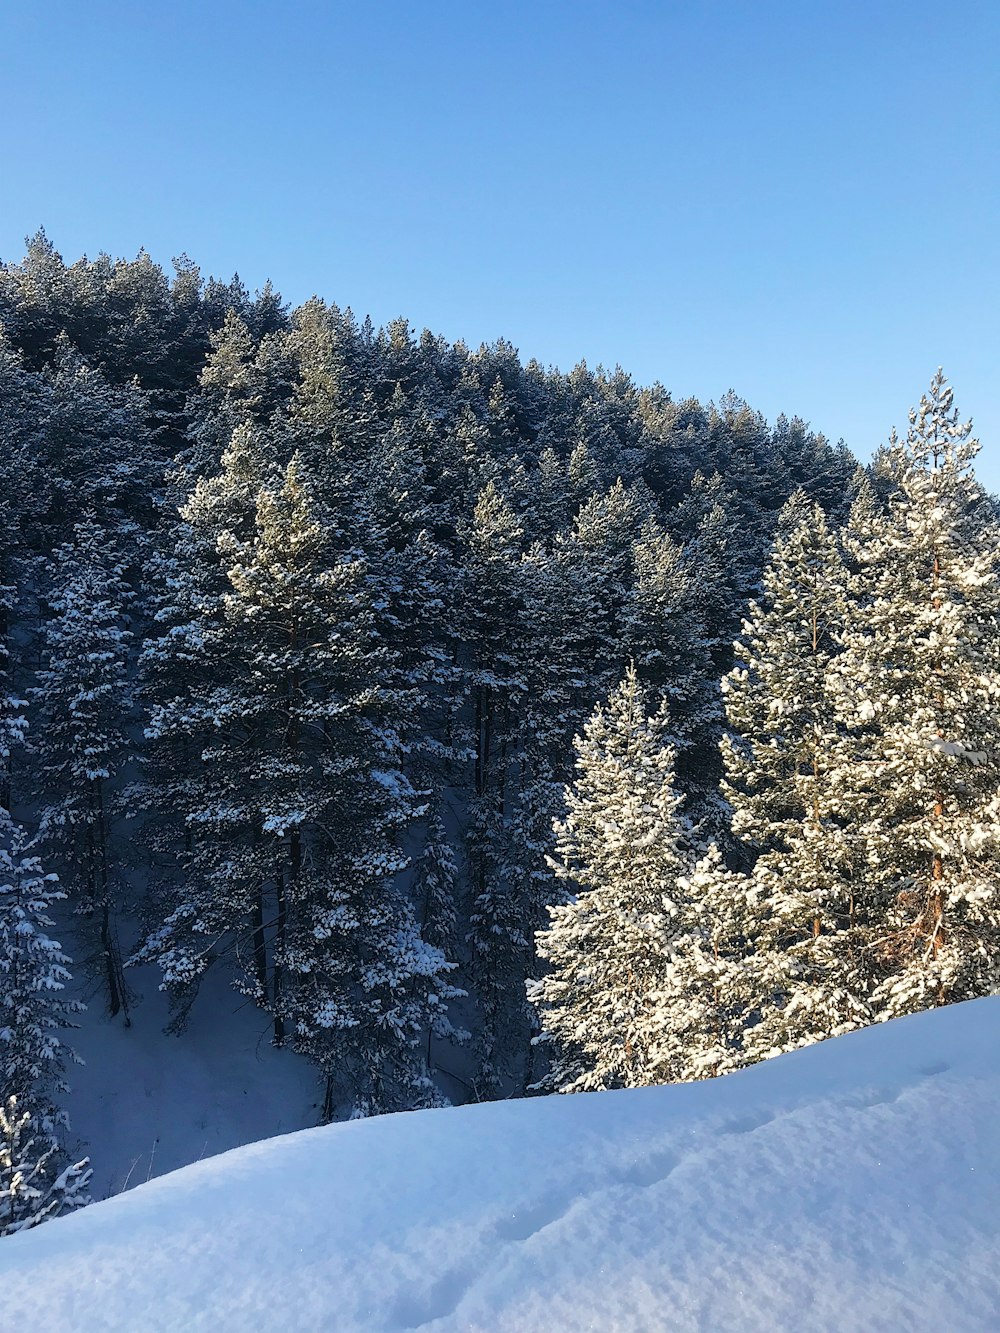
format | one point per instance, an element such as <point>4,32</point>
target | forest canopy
<point>492,727</point>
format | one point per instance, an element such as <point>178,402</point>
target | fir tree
<point>83,702</point>
<point>296,811</point>
<point>919,684</point>
<point>785,766</point>
<point>36,1182</point>
<point>32,1187</point>
<point>437,889</point>
<point>623,848</point>
<point>33,977</point>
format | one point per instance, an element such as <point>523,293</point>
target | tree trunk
<point>117,997</point>
<point>260,947</point>
<point>276,971</point>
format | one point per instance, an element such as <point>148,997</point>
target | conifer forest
<point>492,730</point>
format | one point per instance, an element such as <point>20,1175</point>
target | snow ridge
<point>849,1186</point>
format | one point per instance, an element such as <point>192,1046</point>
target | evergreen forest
<point>494,730</point>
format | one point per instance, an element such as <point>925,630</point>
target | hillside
<point>850,1186</point>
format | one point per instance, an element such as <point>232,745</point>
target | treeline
<point>862,775</point>
<point>309,613</point>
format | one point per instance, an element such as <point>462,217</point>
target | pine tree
<point>724,557</point>
<point>776,698</point>
<point>33,977</point>
<point>13,723</point>
<point>296,814</point>
<point>623,848</point>
<point>708,993</point>
<point>785,766</point>
<point>497,934</point>
<point>32,1188</point>
<point>437,888</point>
<point>36,1182</point>
<point>601,543</point>
<point>98,451</point>
<point>918,684</point>
<point>668,640</point>
<point>179,667</point>
<point>83,702</point>
<point>554,635</point>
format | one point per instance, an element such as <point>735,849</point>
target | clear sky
<point>796,199</point>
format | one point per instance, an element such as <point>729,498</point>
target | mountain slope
<point>851,1186</point>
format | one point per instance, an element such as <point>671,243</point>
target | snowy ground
<point>854,1186</point>
<point>146,1102</point>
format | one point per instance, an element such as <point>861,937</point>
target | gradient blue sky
<point>798,200</point>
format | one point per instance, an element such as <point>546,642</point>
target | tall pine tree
<point>624,848</point>
<point>919,686</point>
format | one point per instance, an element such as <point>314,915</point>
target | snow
<point>145,1101</point>
<point>850,1186</point>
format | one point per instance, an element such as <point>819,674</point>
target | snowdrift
<point>851,1186</point>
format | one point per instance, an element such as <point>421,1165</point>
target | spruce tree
<point>497,935</point>
<point>668,639</point>
<point>82,743</point>
<point>32,1187</point>
<point>297,812</point>
<point>918,684</point>
<point>786,761</point>
<point>623,848</point>
<point>36,1181</point>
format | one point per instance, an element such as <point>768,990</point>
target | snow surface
<point>145,1101</point>
<point>851,1186</point>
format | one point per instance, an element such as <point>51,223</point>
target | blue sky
<point>798,200</point>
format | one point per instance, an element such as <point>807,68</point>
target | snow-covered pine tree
<point>624,848</point>
<point>180,666</point>
<point>12,720</point>
<point>725,557</point>
<point>296,811</point>
<point>33,977</point>
<point>600,545</point>
<point>33,1188</point>
<point>555,633</point>
<point>411,579</point>
<point>583,476</point>
<point>35,1180</point>
<point>98,451</point>
<point>26,484</point>
<point>544,495</point>
<point>201,813</point>
<point>668,640</point>
<point>776,697</point>
<point>82,744</point>
<point>437,887</point>
<point>707,994</point>
<point>361,986</point>
<point>244,381</point>
<point>919,685</point>
<point>785,765</point>
<point>497,933</point>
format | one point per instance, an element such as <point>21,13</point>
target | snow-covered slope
<point>852,1186</point>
